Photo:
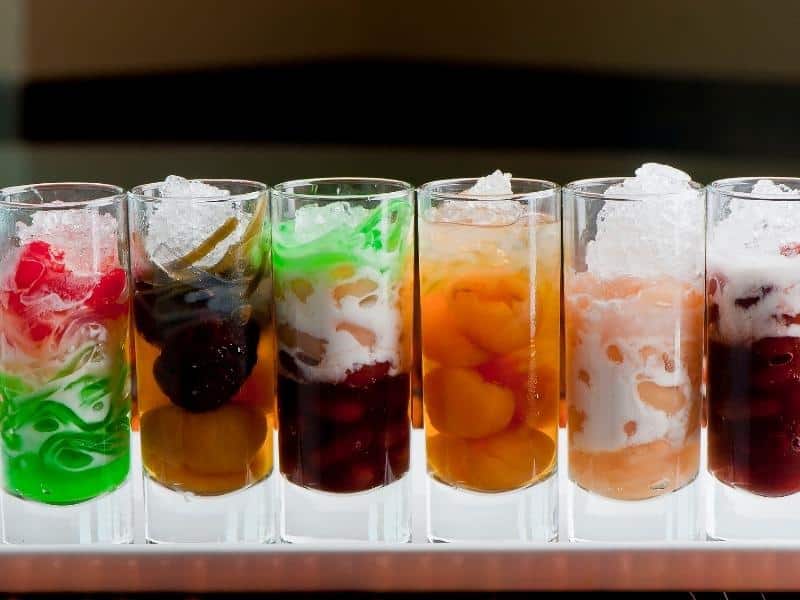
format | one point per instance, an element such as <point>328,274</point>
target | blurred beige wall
<point>715,38</point>
<point>11,35</point>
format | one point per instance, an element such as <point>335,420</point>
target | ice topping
<point>754,288</point>
<point>313,221</point>
<point>500,208</point>
<point>654,227</point>
<point>496,184</point>
<point>767,187</point>
<point>186,213</point>
<point>87,237</point>
<point>175,186</point>
<point>765,227</point>
<point>339,278</point>
<point>652,179</point>
<point>496,212</point>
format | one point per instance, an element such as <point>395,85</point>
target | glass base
<point>527,515</point>
<point>244,517</point>
<point>737,515</point>
<point>379,515</point>
<point>107,519</point>
<point>670,518</point>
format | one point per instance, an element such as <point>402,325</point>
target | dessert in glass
<point>633,293</point>
<point>490,265</point>
<point>753,386</point>
<point>204,358</point>
<point>343,256</point>
<point>64,369</point>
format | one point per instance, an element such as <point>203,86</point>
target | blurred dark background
<point>132,90</point>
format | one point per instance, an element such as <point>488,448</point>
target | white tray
<point>418,566</point>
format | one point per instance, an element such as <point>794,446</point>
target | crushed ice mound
<point>656,228</point>
<point>652,178</point>
<point>498,212</point>
<point>178,187</point>
<point>87,237</point>
<point>313,221</point>
<point>178,226</point>
<point>761,228</point>
<point>496,184</point>
<point>767,187</point>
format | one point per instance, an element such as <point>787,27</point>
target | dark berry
<point>203,364</point>
<point>367,374</point>
<point>161,310</point>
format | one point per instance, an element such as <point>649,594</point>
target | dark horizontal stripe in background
<point>420,104</point>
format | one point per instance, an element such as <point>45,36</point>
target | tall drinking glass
<point>204,359</point>
<point>64,366</point>
<point>343,256</point>
<point>633,289</point>
<point>489,292</point>
<point>753,288</point>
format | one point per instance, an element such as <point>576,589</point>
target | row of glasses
<point>187,289</point>
<point>297,317</point>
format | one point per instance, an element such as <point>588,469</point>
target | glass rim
<point>549,187</point>
<point>259,188</point>
<point>116,194</point>
<point>574,187</point>
<point>403,188</point>
<point>717,187</point>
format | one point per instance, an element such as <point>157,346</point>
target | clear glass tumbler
<point>490,280</point>
<point>64,364</point>
<point>753,372</point>
<point>633,298</point>
<point>343,258</point>
<point>204,359</point>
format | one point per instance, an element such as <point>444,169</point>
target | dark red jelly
<point>754,415</point>
<point>346,437</point>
